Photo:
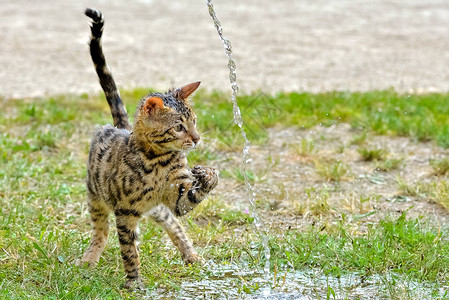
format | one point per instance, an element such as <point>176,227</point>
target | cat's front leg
<point>163,216</point>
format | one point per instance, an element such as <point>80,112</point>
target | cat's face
<point>167,121</point>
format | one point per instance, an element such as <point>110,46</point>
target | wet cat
<point>142,169</point>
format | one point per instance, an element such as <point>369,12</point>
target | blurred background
<point>287,45</point>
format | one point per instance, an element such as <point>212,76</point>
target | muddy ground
<point>278,45</point>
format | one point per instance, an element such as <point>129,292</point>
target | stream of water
<point>246,158</point>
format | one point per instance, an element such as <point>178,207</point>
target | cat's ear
<point>184,92</point>
<point>152,104</point>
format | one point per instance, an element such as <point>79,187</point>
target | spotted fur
<point>142,169</point>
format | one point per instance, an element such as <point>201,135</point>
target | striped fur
<point>107,82</point>
<point>142,169</point>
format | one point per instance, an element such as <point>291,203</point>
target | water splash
<point>226,282</point>
<point>246,159</point>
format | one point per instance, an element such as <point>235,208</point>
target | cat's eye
<point>179,128</point>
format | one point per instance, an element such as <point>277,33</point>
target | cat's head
<point>166,121</point>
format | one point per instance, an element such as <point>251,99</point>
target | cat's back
<point>108,142</point>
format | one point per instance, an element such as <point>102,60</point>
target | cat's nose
<point>195,138</point>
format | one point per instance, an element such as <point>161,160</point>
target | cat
<point>142,169</point>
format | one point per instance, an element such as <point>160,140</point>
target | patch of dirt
<point>290,192</point>
<point>278,45</point>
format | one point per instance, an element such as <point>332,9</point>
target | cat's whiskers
<point>205,147</point>
<point>185,149</point>
<point>205,132</point>
<point>215,140</point>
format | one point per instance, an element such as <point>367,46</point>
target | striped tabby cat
<point>142,169</point>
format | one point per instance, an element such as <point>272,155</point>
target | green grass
<point>238,175</point>
<point>439,191</point>
<point>332,170</point>
<point>440,166</point>
<point>423,117</point>
<point>389,164</point>
<point>399,245</point>
<point>44,226</point>
<point>304,148</point>
<point>436,190</point>
<point>373,154</point>
<point>359,139</point>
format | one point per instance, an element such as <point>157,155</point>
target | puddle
<point>237,282</point>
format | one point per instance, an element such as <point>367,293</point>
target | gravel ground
<point>312,45</point>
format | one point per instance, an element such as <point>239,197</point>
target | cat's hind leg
<point>163,216</point>
<point>99,213</point>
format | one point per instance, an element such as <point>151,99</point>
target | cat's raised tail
<point>107,82</point>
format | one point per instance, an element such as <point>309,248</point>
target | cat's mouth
<point>188,146</point>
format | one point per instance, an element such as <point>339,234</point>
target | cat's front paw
<point>82,262</point>
<point>207,176</point>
